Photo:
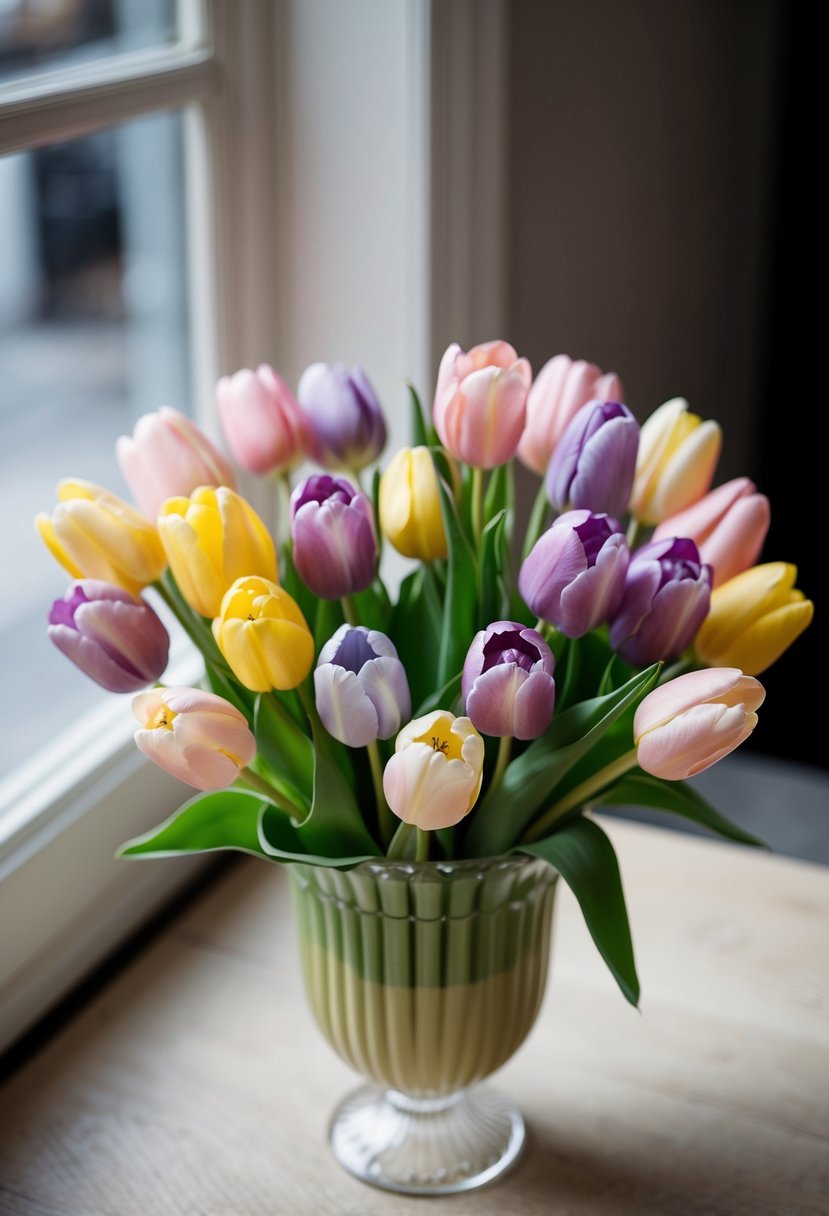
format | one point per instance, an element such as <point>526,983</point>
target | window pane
<point>93,332</point>
<point>36,35</point>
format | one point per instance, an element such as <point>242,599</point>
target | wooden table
<point>196,1084</point>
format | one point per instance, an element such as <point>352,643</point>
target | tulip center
<point>510,647</point>
<point>443,741</point>
<point>593,534</point>
<point>354,651</point>
<point>162,719</point>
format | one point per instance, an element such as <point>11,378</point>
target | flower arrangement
<point>502,691</point>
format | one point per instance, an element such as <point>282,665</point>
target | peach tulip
<point>265,428</point>
<point>434,777</point>
<point>480,402</point>
<point>198,737</point>
<point>558,392</point>
<point>690,723</point>
<point>166,455</point>
<point>728,526</point>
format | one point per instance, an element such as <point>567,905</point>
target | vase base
<point>426,1146</point>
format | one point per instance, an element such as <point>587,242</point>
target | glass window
<point>93,332</point>
<point>36,35</point>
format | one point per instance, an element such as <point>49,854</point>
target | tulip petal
<point>694,740</point>
<point>385,684</point>
<point>344,706</point>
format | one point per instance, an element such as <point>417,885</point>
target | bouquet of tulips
<point>502,690</point>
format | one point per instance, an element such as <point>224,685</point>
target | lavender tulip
<point>594,462</point>
<point>335,546</point>
<point>665,600</point>
<point>361,689</point>
<point>115,638</point>
<point>574,574</point>
<point>345,415</point>
<point>507,682</point>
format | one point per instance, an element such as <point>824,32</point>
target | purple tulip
<point>345,415</point>
<point>666,598</point>
<point>594,462</point>
<point>574,574</point>
<point>507,682</point>
<point>335,546</point>
<point>361,688</point>
<point>115,638</point>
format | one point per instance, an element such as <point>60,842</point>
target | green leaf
<point>531,779</point>
<point>334,827</point>
<point>443,698</point>
<point>328,616</point>
<point>460,605</point>
<point>494,565</point>
<point>223,819</point>
<point>295,587</point>
<point>281,841</point>
<point>422,433</point>
<point>581,675</point>
<point>641,789</point>
<point>585,859</point>
<point>500,492</point>
<point>415,629</point>
<point>283,745</point>
<point>373,607</point>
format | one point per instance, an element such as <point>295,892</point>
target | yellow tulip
<point>95,534</point>
<point>678,453</point>
<point>263,635</point>
<point>410,513</point>
<point>754,617</point>
<point>211,539</point>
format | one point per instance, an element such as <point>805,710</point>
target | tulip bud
<point>361,689</point>
<point>480,403</point>
<point>593,464</point>
<point>688,724</point>
<point>168,455</point>
<point>434,777</point>
<point>678,453</point>
<point>410,514</point>
<point>262,633</point>
<point>94,534</point>
<point>265,428</point>
<point>558,392</point>
<point>335,547</point>
<point>507,683</point>
<point>665,600</point>
<point>211,539</point>
<point>574,575</point>
<point>115,638</point>
<point>754,617</point>
<point>345,415</point>
<point>728,527</point>
<point>198,737</point>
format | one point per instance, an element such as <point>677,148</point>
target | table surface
<point>196,1083</point>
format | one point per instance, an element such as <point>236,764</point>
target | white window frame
<point>64,902</point>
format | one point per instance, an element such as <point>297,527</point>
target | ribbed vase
<point>426,977</point>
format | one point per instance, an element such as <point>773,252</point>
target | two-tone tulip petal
<point>666,597</point>
<point>678,454</point>
<point>690,723</point>
<point>360,685</point>
<point>434,777</point>
<point>481,402</point>
<point>345,415</point>
<point>114,638</point>
<point>200,738</point>
<point>754,618</point>
<point>593,463</point>
<point>507,683</point>
<point>166,455</point>
<point>334,542</point>
<point>558,392</point>
<point>728,526</point>
<point>262,633</point>
<point>265,428</point>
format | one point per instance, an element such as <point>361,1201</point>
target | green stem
<point>580,795</point>
<point>477,504</point>
<point>283,509</point>
<point>399,849</point>
<point>538,519</point>
<point>308,704</point>
<point>384,820</point>
<point>279,800</point>
<point>504,752</point>
<point>422,845</point>
<point>349,611</point>
<point>634,531</point>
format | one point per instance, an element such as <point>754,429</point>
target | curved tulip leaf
<point>585,859</point>
<point>461,602</point>
<point>423,433</point>
<point>334,826</point>
<point>641,789</point>
<point>415,629</point>
<point>222,819</point>
<point>283,745</point>
<point>280,841</point>
<point>494,565</point>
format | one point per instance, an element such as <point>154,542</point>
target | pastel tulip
<point>361,689</point>
<point>593,463</point>
<point>211,539</point>
<point>410,513</point>
<point>114,638</point>
<point>95,534</point>
<point>335,546</point>
<point>262,633</point>
<point>558,392</point>
<point>728,526</point>
<point>198,737</point>
<point>434,777</point>
<point>507,683</point>
<point>265,428</point>
<point>665,599</point>
<point>754,617</point>
<point>575,573</point>
<point>678,453</point>
<point>690,723</point>
<point>481,402</point>
<point>166,455</point>
<point>345,415</point>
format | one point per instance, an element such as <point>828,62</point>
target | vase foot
<point>426,1146</point>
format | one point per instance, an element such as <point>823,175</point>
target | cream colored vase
<point>425,978</point>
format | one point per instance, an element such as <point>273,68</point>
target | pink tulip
<point>168,455</point>
<point>728,525</point>
<point>198,737</point>
<point>558,392</point>
<point>693,721</point>
<point>263,424</point>
<point>480,403</point>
